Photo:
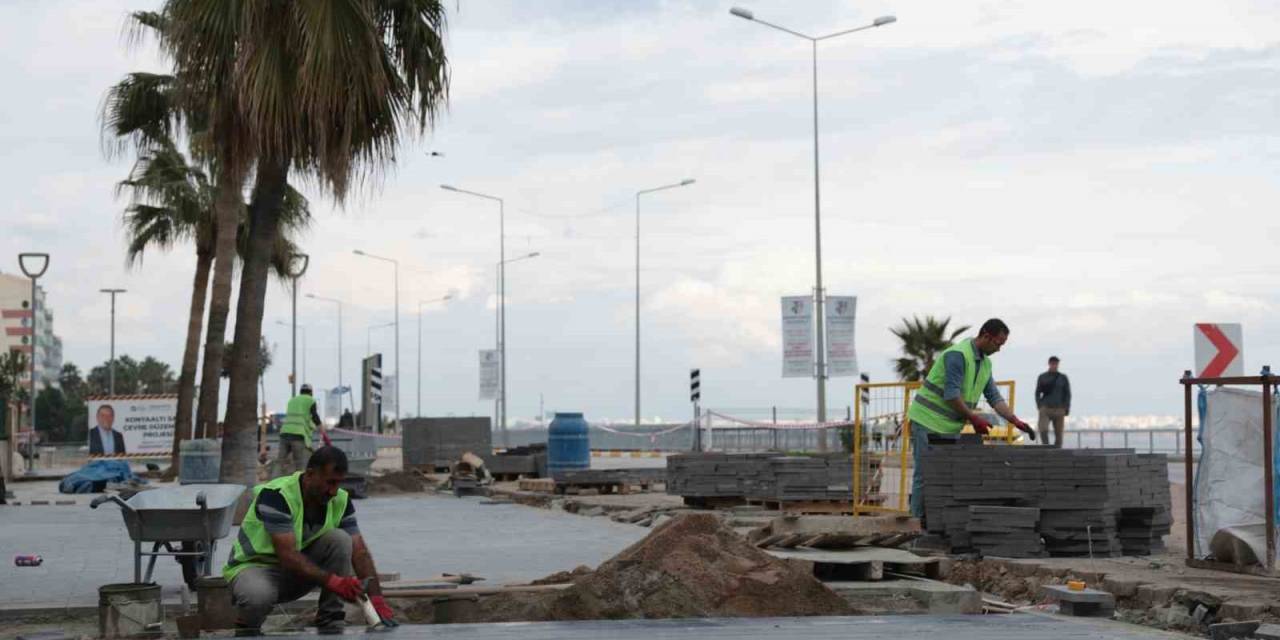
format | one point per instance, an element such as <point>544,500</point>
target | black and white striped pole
<point>695,396</point>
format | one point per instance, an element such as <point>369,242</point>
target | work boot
<point>330,626</point>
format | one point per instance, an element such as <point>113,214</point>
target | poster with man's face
<point>130,425</point>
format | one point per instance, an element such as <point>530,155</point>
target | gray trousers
<point>293,456</point>
<point>257,590</point>
<point>919,441</point>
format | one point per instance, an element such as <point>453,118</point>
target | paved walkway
<point>418,536</point>
<point>1010,627</point>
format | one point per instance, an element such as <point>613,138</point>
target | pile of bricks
<point>816,477</point>
<point>715,475</point>
<point>768,477</point>
<point>1106,502</point>
<point>1008,532</point>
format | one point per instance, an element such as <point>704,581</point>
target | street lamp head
<point>27,262</point>
<point>534,254</point>
<point>742,13</point>
<point>357,252</point>
<point>436,154</point>
<point>687,181</point>
<point>883,20</point>
<point>447,187</point>
<point>311,295</point>
<point>297,265</point>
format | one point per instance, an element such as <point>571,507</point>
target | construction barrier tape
<point>780,426</point>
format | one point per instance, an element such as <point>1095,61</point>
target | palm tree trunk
<point>191,354</point>
<point>240,439</point>
<point>227,207</point>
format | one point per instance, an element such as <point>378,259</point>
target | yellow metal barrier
<point>882,443</point>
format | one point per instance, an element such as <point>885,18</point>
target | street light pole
<point>32,272</point>
<point>683,183</point>
<point>502,302</point>
<point>420,303</point>
<point>111,366</point>
<point>302,331</point>
<point>396,270</point>
<point>339,303</point>
<point>297,266</point>
<point>368,343</point>
<point>819,295</point>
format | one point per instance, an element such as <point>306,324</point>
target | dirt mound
<point>399,482</point>
<point>691,567</point>
<point>695,566</point>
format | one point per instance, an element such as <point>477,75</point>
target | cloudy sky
<point>1098,174</point>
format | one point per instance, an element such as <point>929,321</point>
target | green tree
<point>172,201</point>
<point>922,341</point>
<point>53,417</point>
<point>74,389</point>
<point>99,380</point>
<point>322,88</point>
<point>13,366</point>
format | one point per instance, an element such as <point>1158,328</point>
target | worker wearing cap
<point>300,420</point>
<point>299,533</point>
<point>949,395</point>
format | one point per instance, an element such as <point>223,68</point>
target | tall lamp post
<point>111,366</point>
<point>296,267</point>
<point>502,354</point>
<point>302,331</point>
<point>502,301</point>
<point>819,295</point>
<point>683,183</point>
<point>339,303</point>
<point>420,303</point>
<point>33,266</point>
<point>396,270</point>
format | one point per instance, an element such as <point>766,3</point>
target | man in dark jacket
<point>1053,399</point>
<point>104,440</point>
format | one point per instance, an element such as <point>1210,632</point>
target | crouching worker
<point>300,533</point>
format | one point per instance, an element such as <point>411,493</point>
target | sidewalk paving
<point>415,536</point>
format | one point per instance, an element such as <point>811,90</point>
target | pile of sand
<point>399,482</point>
<point>693,566</point>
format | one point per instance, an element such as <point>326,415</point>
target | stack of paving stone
<point>715,475</point>
<point>803,478</point>
<point>1084,496</point>
<point>1007,532</point>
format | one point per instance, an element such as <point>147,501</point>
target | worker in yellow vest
<point>949,395</point>
<point>299,533</point>
<point>300,420</point>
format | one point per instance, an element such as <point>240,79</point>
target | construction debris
<point>691,567</point>
<point>399,482</point>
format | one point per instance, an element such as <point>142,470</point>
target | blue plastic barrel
<point>568,445</point>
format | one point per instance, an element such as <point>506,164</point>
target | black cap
<point>1053,359</point>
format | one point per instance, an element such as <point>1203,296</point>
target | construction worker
<point>300,420</point>
<point>299,533</point>
<point>949,398</point>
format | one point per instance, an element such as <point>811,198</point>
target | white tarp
<point>1230,484</point>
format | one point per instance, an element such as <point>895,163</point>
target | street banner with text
<point>797,337</point>
<point>489,360</point>
<point>842,359</point>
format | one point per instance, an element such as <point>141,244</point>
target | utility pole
<point>111,367</point>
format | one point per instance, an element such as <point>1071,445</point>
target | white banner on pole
<point>797,337</point>
<point>137,424</point>
<point>388,399</point>
<point>489,361</point>
<point>842,359</point>
<point>333,403</point>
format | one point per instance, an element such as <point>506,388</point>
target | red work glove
<point>346,587</point>
<point>384,610</point>
<point>325,438</point>
<point>980,424</point>
<point>1025,428</point>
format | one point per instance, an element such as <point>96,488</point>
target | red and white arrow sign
<point>1219,350</point>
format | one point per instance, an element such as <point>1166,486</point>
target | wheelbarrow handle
<point>201,500</point>
<point>108,498</point>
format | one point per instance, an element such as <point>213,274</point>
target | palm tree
<point>922,341</point>
<point>322,88</point>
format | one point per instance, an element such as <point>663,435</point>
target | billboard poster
<point>797,337</point>
<point>489,360</point>
<point>842,359</point>
<point>131,425</point>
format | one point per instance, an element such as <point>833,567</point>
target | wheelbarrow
<point>186,522</point>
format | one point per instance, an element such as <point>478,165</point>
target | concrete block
<point>1229,630</point>
<point>1267,632</point>
<point>1121,588</point>
<point>1086,609</point>
<point>1061,593</point>
<point>937,598</point>
<point>1154,595</point>
<point>1243,609</point>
